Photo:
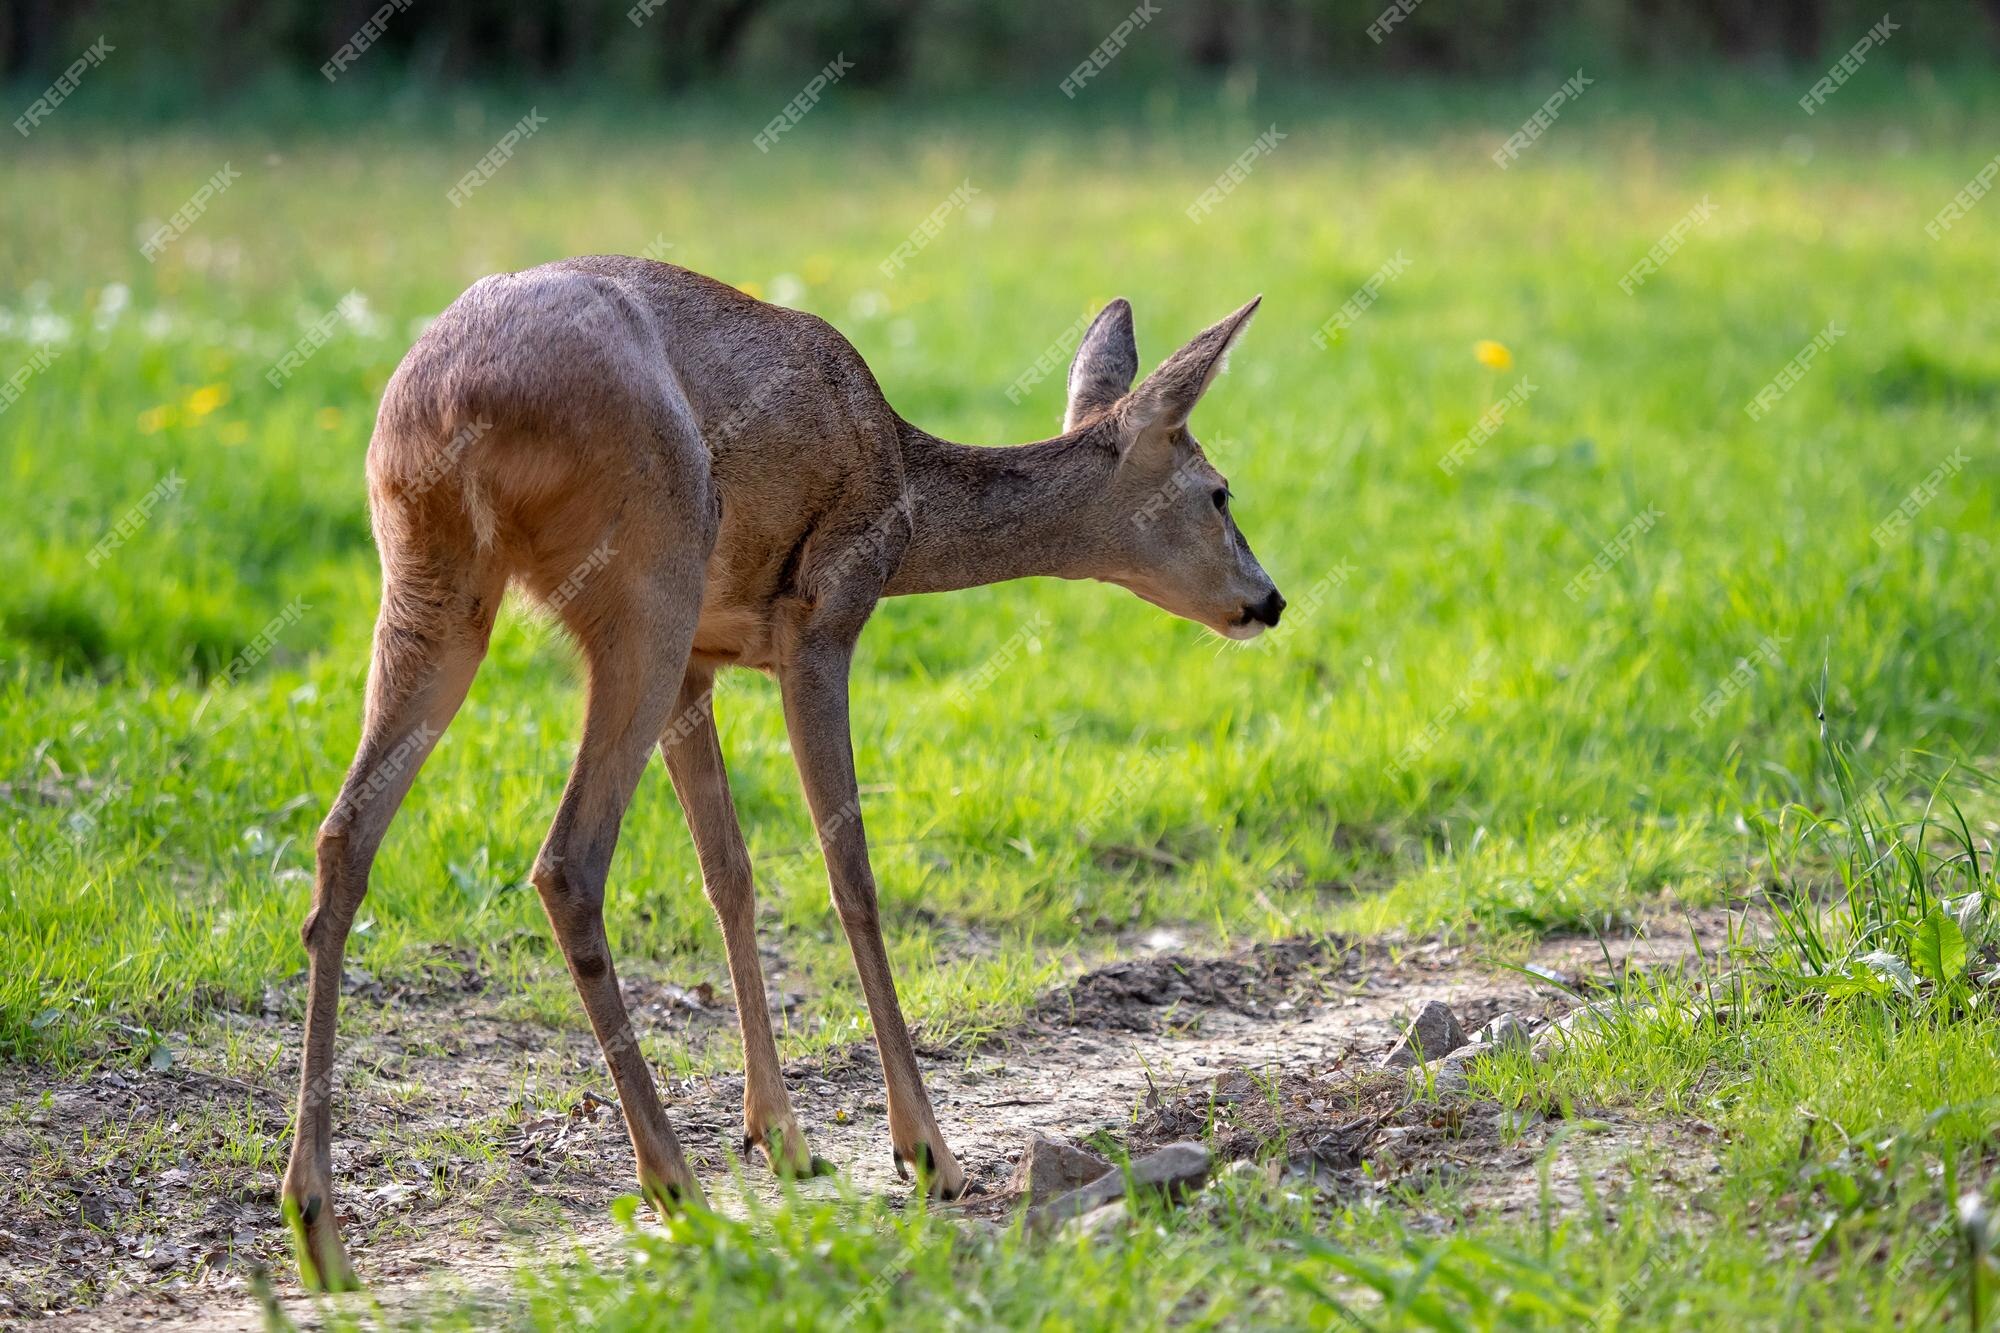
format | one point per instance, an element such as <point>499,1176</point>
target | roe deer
<point>695,479</point>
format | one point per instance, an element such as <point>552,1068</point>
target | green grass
<point>1442,740</point>
<point>1837,1208</point>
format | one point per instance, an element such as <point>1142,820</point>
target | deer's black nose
<point>1267,610</point>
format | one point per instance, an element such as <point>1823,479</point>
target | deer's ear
<point>1106,361</point>
<point>1167,398</point>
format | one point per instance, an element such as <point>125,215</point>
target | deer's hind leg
<point>429,640</point>
<point>635,620</point>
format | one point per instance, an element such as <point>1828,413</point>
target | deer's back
<point>541,403</point>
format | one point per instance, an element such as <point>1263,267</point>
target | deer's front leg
<point>814,684</point>
<point>694,757</point>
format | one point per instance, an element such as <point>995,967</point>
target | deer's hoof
<point>322,1259</point>
<point>671,1197</point>
<point>786,1153</point>
<point>938,1172</point>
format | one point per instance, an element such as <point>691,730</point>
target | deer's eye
<point>1221,498</point>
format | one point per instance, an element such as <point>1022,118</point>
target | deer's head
<point>1168,530</point>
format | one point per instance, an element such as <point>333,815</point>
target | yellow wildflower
<point>1492,354</point>
<point>205,400</point>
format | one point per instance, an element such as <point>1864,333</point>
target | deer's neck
<point>987,515</point>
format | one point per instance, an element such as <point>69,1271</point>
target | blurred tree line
<point>216,47</point>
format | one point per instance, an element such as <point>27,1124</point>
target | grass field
<point>1559,680</point>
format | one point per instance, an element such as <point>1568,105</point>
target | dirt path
<point>150,1196</point>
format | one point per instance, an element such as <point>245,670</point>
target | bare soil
<point>468,1138</point>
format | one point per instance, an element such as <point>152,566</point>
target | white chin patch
<point>1248,630</point>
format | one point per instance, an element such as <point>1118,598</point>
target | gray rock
<point>1242,1169</point>
<point>1432,1034</point>
<point>1504,1033</point>
<point>1583,1023</point>
<point>1447,1079</point>
<point>1048,1168</point>
<point>1101,1223</point>
<point>1175,1171</point>
<point>1452,1073</point>
<point>1466,1054</point>
<point>1444,1076</point>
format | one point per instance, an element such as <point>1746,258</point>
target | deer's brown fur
<point>694,479</point>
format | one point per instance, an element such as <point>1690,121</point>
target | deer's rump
<point>535,425</point>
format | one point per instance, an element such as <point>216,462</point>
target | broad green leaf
<point>1969,912</point>
<point>1890,968</point>
<point>1938,951</point>
<point>1858,979</point>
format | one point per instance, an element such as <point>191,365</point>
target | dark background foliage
<point>216,49</point>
